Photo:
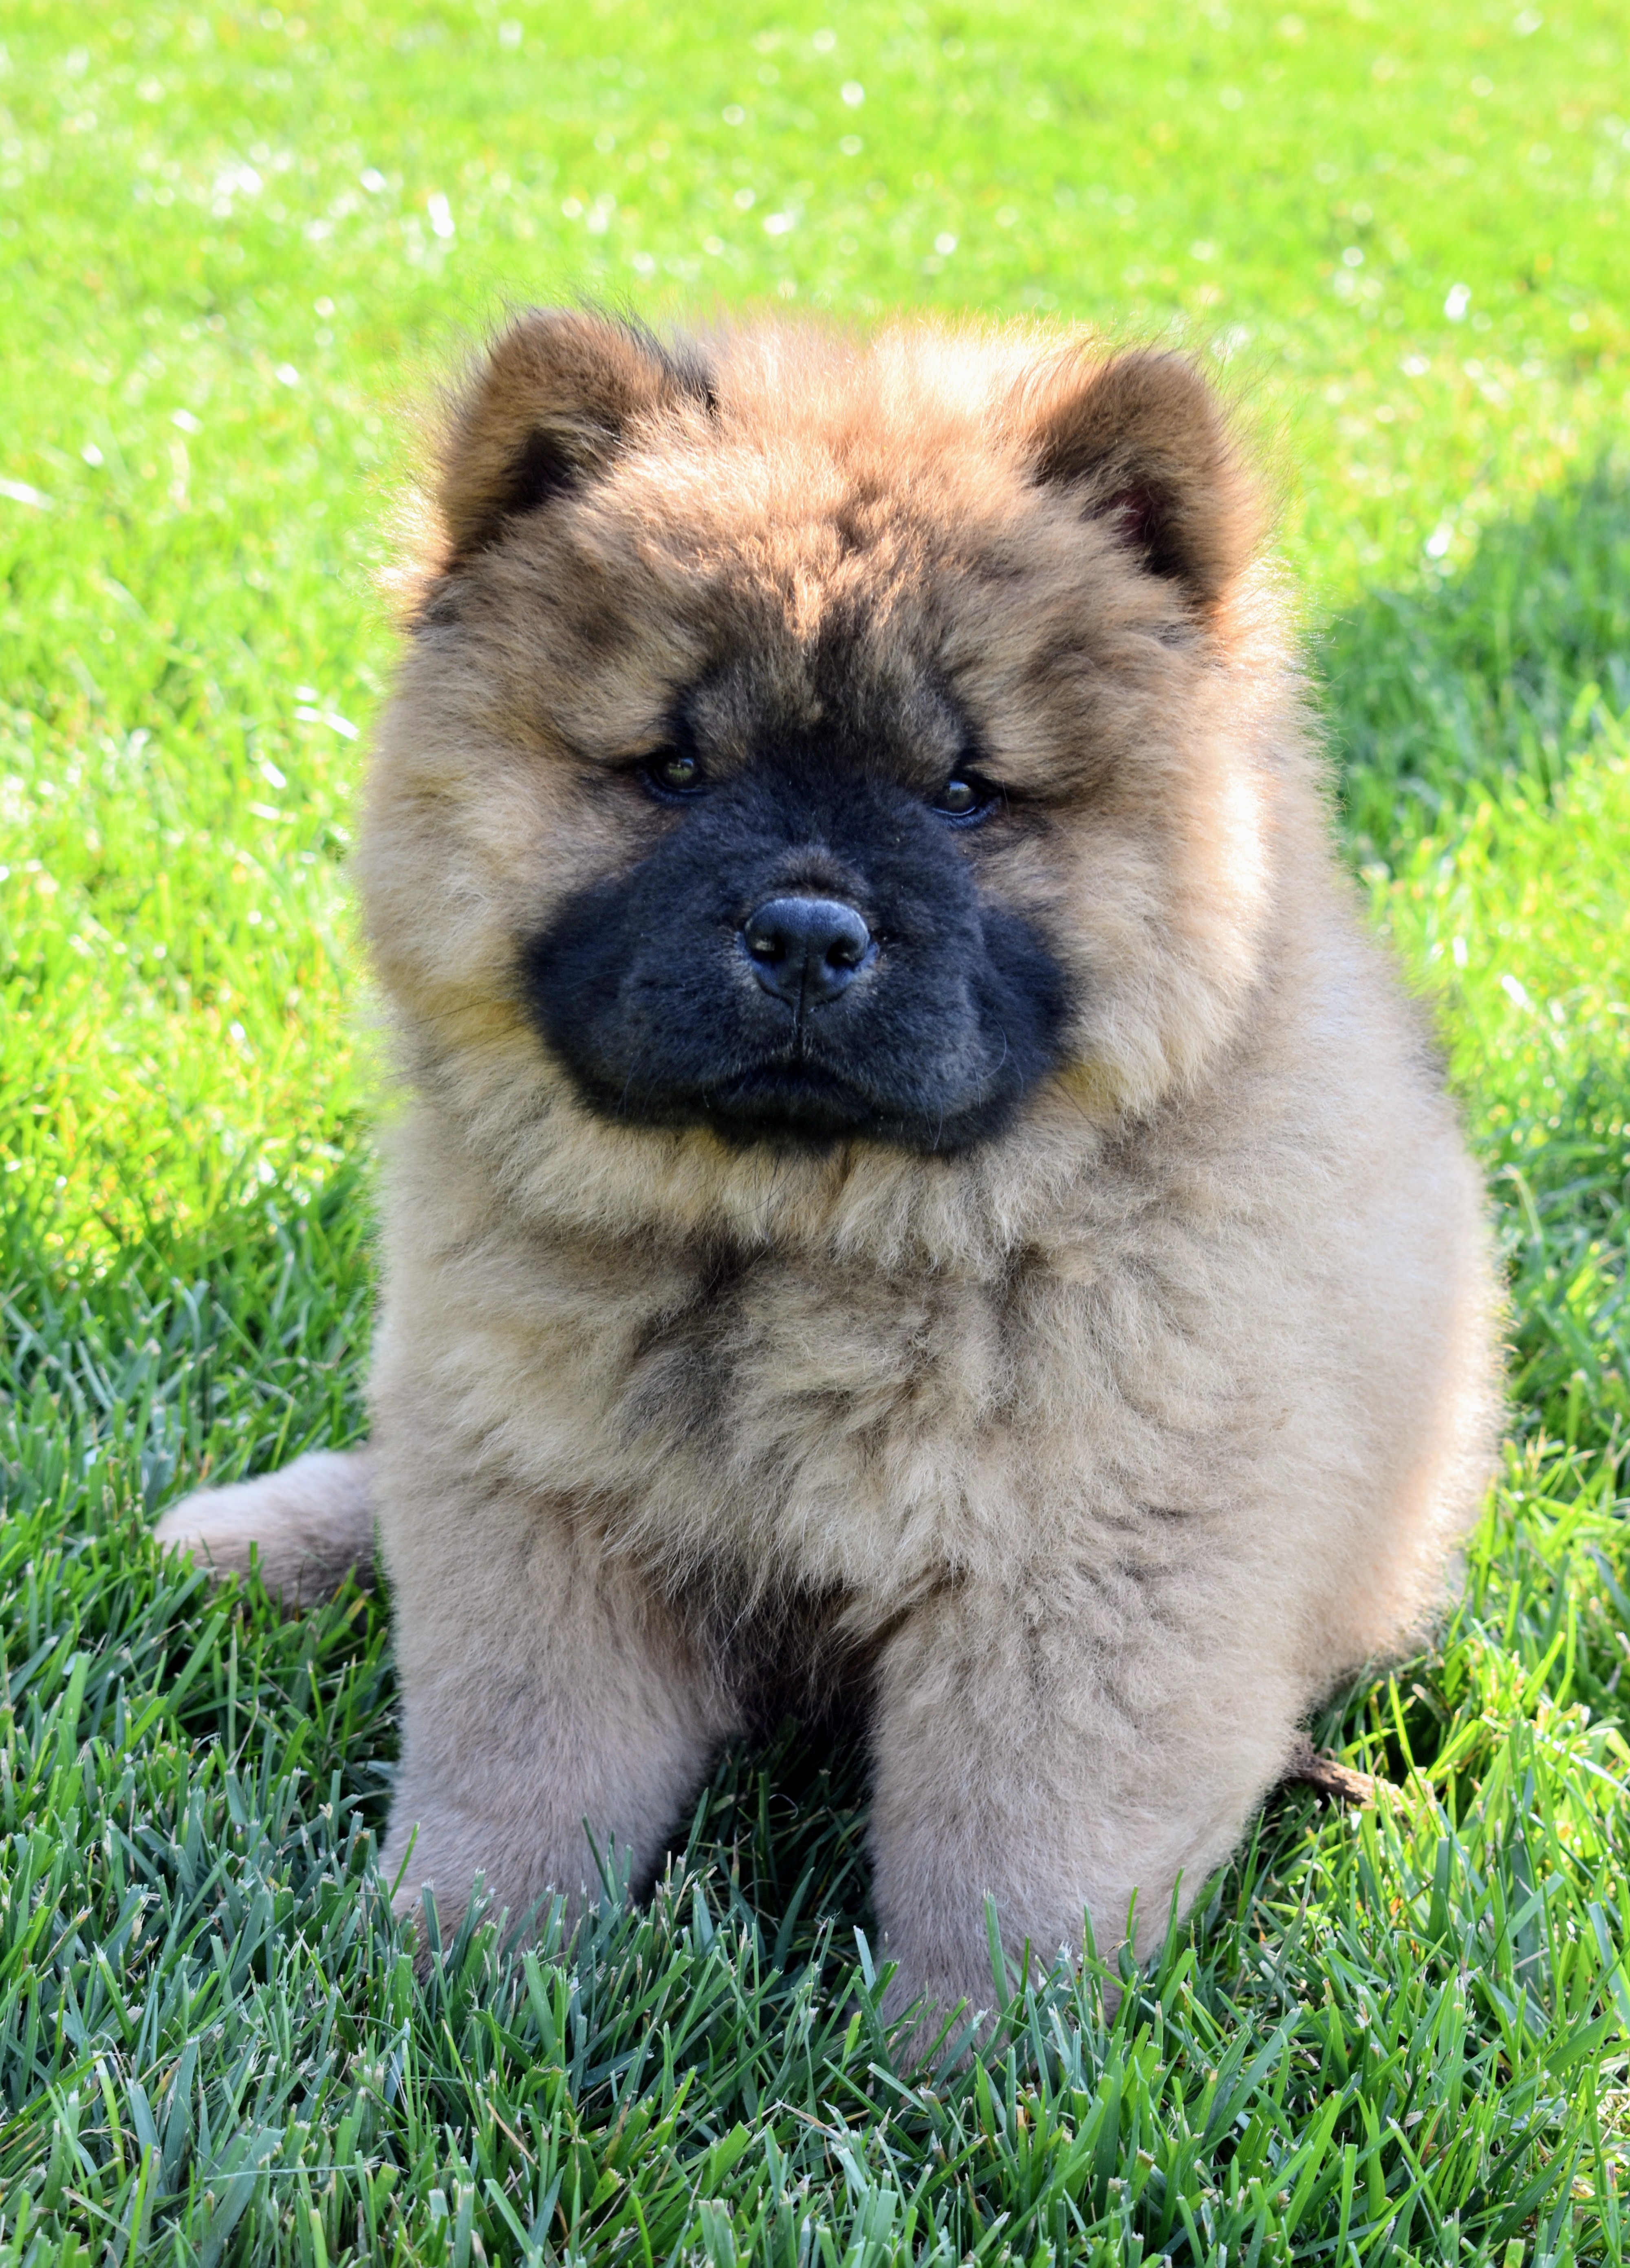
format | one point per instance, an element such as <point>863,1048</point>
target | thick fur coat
<point>915,1192</point>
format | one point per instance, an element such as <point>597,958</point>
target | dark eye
<point>965,796</point>
<point>671,771</point>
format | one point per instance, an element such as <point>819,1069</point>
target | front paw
<point>933,2018</point>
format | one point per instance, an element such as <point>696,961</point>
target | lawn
<point>236,246</point>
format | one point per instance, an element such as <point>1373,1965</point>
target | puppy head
<point>806,748</point>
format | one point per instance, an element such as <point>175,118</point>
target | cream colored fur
<point>309,1527</point>
<point>1104,1450</point>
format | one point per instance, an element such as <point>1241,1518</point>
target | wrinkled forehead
<point>838,698</point>
<point>768,643</point>
<point>818,489</point>
<point>813,575</point>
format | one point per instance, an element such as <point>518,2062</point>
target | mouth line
<point>788,1089</point>
<point>783,1098</point>
<point>786,1077</point>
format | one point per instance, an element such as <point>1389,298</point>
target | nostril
<point>807,949</point>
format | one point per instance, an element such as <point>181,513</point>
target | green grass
<point>227,269</point>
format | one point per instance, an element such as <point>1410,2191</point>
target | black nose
<point>807,950</point>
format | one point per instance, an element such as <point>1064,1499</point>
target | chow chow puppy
<point>915,1192</point>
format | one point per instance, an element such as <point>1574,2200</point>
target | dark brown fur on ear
<point>1145,439</point>
<point>547,409</point>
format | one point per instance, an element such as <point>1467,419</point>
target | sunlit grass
<point>235,246</point>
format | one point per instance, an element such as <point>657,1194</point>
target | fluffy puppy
<point>914,1192</point>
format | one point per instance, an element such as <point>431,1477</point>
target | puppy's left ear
<point>1144,441</point>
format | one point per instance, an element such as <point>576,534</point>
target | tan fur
<point>1097,1453</point>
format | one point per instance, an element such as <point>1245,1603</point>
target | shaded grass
<point>1488,677</point>
<point>1518,921</point>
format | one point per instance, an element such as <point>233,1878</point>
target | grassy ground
<point>232,244</point>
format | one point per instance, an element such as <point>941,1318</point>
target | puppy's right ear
<point>547,408</point>
<point>1148,447</point>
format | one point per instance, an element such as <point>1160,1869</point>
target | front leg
<point>1058,1747</point>
<point>546,1687</point>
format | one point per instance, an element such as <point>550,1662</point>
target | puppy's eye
<point>965,797</point>
<point>671,771</point>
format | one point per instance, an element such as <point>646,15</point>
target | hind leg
<point>311,1524</point>
<point>549,1697</point>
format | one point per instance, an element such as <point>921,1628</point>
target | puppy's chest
<point>821,1416</point>
<point>758,1352</point>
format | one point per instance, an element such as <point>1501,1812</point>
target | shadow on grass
<point>223,1350</point>
<point>1459,682</point>
<point>1455,688</point>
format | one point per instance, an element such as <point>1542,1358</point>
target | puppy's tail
<point>312,1525</point>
